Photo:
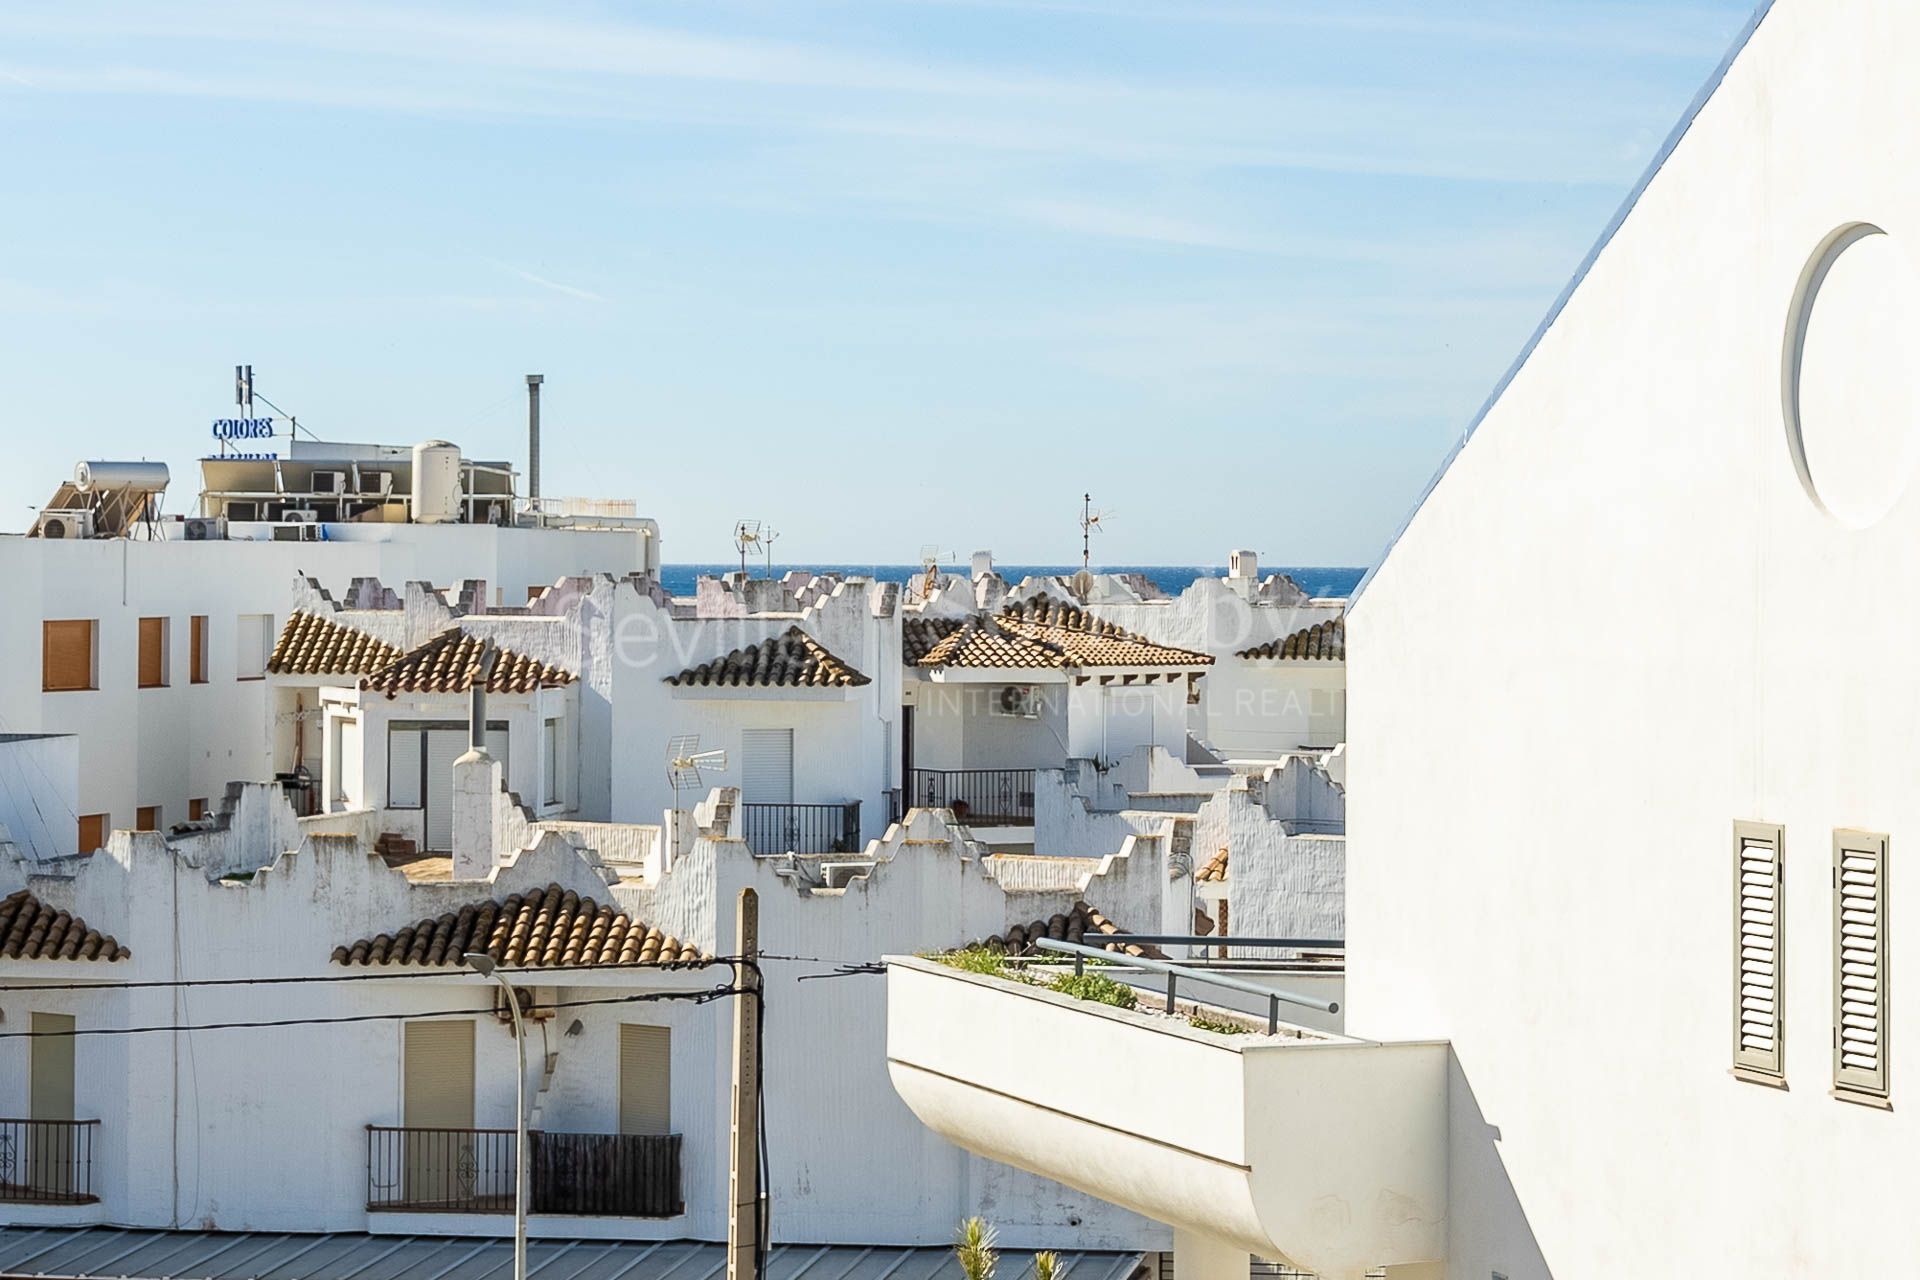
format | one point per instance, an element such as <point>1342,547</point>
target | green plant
<point>1201,1022</point>
<point>990,961</point>
<point>1097,987</point>
<point>1046,1265</point>
<point>973,1246</point>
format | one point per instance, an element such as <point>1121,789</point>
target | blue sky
<point>884,273</point>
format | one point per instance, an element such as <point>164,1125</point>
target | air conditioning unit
<point>536,1004</point>
<point>1021,700</point>
<point>203,528</point>
<point>838,875</point>
<point>377,482</point>
<point>76,523</point>
<point>300,517</point>
<point>333,482</point>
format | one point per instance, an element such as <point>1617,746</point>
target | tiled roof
<point>1324,641</point>
<point>544,929</point>
<point>790,661</point>
<point>918,635</point>
<point>448,663</point>
<point>32,930</point>
<point>1216,868</point>
<point>313,645</point>
<point>1042,632</point>
<point>1070,926</point>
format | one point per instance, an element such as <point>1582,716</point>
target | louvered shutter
<point>1860,1004</point>
<point>646,1079</point>
<point>1759,950</point>
<point>766,767</point>
<point>437,1075</point>
<point>153,652</point>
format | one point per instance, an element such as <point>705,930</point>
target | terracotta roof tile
<point>313,645</point>
<point>790,661</point>
<point>1043,632</point>
<point>1082,924</point>
<point>449,662</point>
<point>918,635</point>
<point>1323,641</point>
<point>1216,868</point>
<point>32,930</point>
<point>547,928</point>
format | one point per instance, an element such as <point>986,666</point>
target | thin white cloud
<point>571,291</point>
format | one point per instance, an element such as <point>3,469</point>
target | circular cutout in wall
<point>1850,382</point>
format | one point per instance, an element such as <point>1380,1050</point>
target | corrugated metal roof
<point>124,1254</point>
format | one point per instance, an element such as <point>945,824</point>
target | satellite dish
<point>687,763</point>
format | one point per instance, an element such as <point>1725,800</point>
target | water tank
<point>112,477</point>
<point>436,482</point>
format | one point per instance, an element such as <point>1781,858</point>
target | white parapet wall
<point>1320,1151</point>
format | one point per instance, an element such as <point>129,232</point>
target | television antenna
<point>767,535</point>
<point>687,764</point>
<point>931,558</point>
<point>747,536</point>
<point>1091,521</point>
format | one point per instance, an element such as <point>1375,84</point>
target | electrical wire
<point>148,983</point>
<point>697,997</point>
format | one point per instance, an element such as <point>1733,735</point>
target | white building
<point>150,646</point>
<point>1625,958</point>
<point>381,1102</point>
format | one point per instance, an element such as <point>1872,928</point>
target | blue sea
<point>679,579</point>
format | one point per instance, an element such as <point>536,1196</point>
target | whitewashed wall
<point>1541,821</point>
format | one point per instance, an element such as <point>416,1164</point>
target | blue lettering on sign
<point>243,429</point>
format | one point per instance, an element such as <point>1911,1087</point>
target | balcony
<point>592,1175</point>
<point>1306,1148</point>
<point>47,1161</point>
<point>978,797</point>
<point>801,828</point>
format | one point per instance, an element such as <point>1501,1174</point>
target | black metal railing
<point>613,1175</point>
<point>802,828</point>
<point>47,1161</point>
<point>984,797</point>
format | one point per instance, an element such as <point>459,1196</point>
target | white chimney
<point>1243,564</point>
<point>982,564</point>
<point>476,786</point>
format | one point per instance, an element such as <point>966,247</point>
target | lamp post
<point>482,964</point>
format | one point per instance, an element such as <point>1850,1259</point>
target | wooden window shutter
<point>1860,1005</point>
<point>147,818</point>
<point>197,641</point>
<point>1759,937</point>
<point>93,831</point>
<point>153,652</point>
<point>646,1079</point>
<point>66,655</point>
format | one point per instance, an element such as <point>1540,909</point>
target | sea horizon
<point>1320,581</point>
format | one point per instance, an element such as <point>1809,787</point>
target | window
<point>550,748</point>
<point>153,653</point>
<point>196,810</point>
<point>252,646</point>
<point>147,818</point>
<point>436,1067</point>
<point>1759,953</point>
<point>197,645</point>
<point>66,655</point>
<point>646,1079</point>
<point>49,1160</point>
<point>93,831</point>
<point>1860,1005</point>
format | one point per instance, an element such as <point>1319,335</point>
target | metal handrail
<point>1230,940</point>
<point>1176,972</point>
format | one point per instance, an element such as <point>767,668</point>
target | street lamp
<point>482,963</point>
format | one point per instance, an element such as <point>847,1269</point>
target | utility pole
<point>744,1227</point>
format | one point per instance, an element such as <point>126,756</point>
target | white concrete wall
<point>1542,820</point>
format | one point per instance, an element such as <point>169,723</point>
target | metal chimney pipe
<point>477,698</point>
<point>533,433</point>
